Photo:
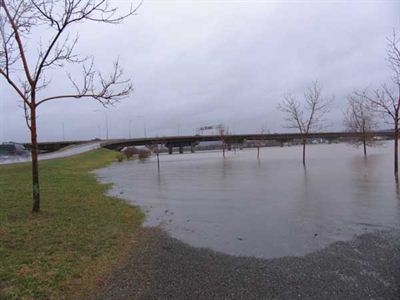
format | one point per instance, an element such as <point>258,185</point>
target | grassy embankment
<point>80,234</point>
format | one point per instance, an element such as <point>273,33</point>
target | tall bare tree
<point>386,100</point>
<point>306,117</point>
<point>25,72</point>
<point>360,118</point>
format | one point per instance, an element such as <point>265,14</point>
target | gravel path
<point>160,267</point>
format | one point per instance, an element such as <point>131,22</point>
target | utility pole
<point>144,125</point>
<point>63,131</point>
<point>105,113</point>
<point>130,128</point>
<point>106,120</point>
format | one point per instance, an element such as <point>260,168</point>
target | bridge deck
<point>188,140</point>
<point>235,138</point>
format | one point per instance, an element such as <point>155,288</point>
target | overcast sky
<point>197,63</point>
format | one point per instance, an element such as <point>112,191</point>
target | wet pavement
<point>65,152</point>
<point>269,208</point>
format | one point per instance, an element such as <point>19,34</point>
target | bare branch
<point>360,118</point>
<point>310,116</point>
<point>20,21</point>
<point>394,57</point>
<point>15,87</point>
<point>108,90</point>
<point>57,53</point>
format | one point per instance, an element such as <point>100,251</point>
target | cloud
<point>195,63</point>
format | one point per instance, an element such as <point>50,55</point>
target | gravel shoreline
<point>161,267</point>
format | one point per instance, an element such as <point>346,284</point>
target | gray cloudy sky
<point>196,63</point>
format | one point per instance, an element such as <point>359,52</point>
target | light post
<point>63,131</point>
<point>99,129</point>
<point>144,125</point>
<point>130,128</point>
<point>106,119</point>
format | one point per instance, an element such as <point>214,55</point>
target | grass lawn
<point>77,238</point>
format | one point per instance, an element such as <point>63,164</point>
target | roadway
<point>70,150</point>
<point>176,141</point>
<point>192,140</point>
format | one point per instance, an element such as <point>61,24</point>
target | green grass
<point>77,238</point>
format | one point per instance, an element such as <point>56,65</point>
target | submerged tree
<point>360,118</point>
<point>223,131</point>
<point>306,117</point>
<point>259,143</point>
<point>25,72</point>
<point>386,100</point>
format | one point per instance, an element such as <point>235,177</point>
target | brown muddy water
<point>268,208</point>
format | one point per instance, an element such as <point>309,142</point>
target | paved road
<point>68,151</point>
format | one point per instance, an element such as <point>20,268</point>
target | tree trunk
<point>158,157</point>
<point>396,146</point>
<point>35,165</point>
<point>365,144</point>
<point>258,152</point>
<point>304,151</point>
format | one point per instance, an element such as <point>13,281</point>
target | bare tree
<point>360,118</point>
<point>386,100</point>
<point>155,147</point>
<point>307,117</point>
<point>259,143</point>
<point>18,20</point>
<point>222,132</point>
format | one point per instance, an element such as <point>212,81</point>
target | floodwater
<point>269,208</point>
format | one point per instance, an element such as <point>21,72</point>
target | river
<point>269,208</point>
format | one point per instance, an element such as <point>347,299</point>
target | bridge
<point>180,142</point>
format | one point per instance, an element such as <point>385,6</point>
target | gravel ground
<point>160,267</point>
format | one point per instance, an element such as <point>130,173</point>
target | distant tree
<point>25,72</point>
<point>360,118</point>
<point>386,100</point>
<point>259,143</point>
<point>306,117</point>
<point>222,132</point>
<point>155,147</point>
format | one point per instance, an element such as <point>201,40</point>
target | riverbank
<point>78,238</point>
<point>164,268</point>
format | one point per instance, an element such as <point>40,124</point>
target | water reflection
<point>269,207</point>
<point>396,180</point>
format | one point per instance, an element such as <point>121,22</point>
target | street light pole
<point>63,131</point>
<point>106,119</point>
<point>144,125</point>
<point>130,128</point>
<point>105,113</point>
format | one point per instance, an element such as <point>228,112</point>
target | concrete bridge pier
<point>180,145</point>
<point>192,147</point>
